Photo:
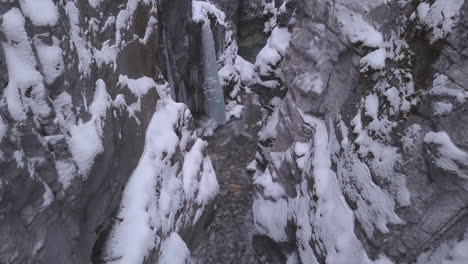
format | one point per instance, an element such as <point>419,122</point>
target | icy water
<point>232,148</point>
<point>250,53</point>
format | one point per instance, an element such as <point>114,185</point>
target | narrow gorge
<point>233,131</point>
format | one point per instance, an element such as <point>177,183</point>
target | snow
<point>269,130</point>
<point>393,96</point>
<point>47,197</point>
<point>440,16</point>
<point>63,108</point>
<point>333,220</point>
<point>138,87</point>
<point>329,220</point>
<point>133,237</point>
<point>442,86</point>
<point>95,3</point>
<point>276,101</point>
<point>357,29</point>
<point>50,57</point>
<point>101,101</point>
<point>85,139</point>
<point>266,57</point>
<point>363,6</point>
<point>150,27</point>
<point>201,11</point>
<point>271,190</point>
<point>374,60</point>
<point>301,150</point>
<point>309,82</point>
<point>107,55</point>
<point>66,171</point>
<point>81,46</point>
<point>272,53</point>
<point>162,193</point>
<point>423,9</point>
<point>375,204</point>
<point>372,105</point>
<point>233,109</point>
<point>246,69</point>
<point>270,218</point>
<point>22,73</point>
<point>192,164</point>
<point>208,186</point>
<point>409,137</point>
<point>40,12</point>
<point>451,156</point>
<point>85,145</point>
<point>279,39</point>
<point>125,19</point>
<point>270,11</point>
<point>450,252</point>
<point>441,108</point>
<point>18,155</point>
<point>174,250</point>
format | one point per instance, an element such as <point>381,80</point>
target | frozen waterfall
<point>212,90</point>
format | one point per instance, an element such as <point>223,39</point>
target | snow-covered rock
<point>82,81</point>
<point>368,147</point>
<point>167,192</point>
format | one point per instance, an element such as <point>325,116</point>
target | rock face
<point>80,83</point>
<point>365,160</point>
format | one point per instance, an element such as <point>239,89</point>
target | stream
<point>231,148</point>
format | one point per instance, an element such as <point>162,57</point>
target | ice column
<point>212,90</point>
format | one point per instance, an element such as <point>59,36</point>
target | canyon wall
<point>365,159</point>
<point>82,82</point>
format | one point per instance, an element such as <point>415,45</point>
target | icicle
<point>212,90</point>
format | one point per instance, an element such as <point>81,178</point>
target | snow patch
<point>270,218</point>
<point>441,16</point>
<point>357,29</point>
<point>138,87</point>
<point>174,250</point>
<point>374,60</point>
<point>107,55</point>
<point>233,109</point>
<point>81,46</point>
<point>85,139</point>
<point>164,194</point>
<point>66,171</point>
<point>246,69</point>
<point>50,57</point>
<point>40,12</point>
<point>372,105</point>
<point>95,3</point>
<point>270,56</point>
<point>201,11</point>
<point>309,82</point>
<point>25,89</point>
<point>442,86</point>
<point>441,108</point>
<point>450,252</point>
<point>449,156</point>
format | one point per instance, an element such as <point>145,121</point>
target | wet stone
<point>232,148</point>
